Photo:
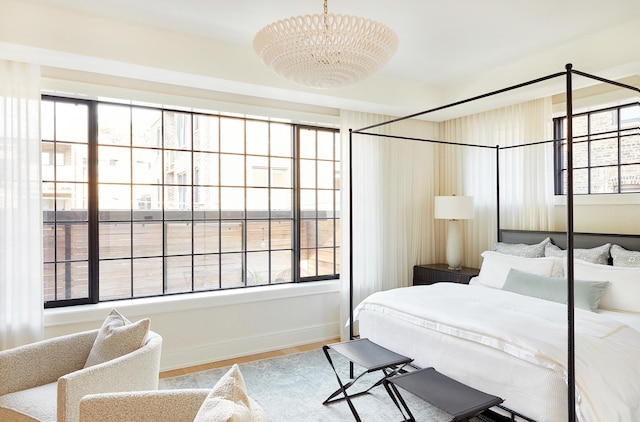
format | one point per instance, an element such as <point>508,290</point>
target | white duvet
<point>607,371</point>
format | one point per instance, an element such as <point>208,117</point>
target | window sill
<point>166,304</point>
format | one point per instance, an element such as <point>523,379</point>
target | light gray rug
<point>293,387</point>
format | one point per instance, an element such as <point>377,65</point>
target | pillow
<point>623,293</point>
<point>229,402</point>
<point>586,294</point>
<point>522,249</point>
<point>624,258</point>
<point>495,267</point>
<point>117,337</point>
<point>598,255</point>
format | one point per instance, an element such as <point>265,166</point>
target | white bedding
<point>504,334</point>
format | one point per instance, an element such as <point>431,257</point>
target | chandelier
<point>327,50</point>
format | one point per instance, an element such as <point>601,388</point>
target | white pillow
<point>229,402</point>
<point>117,337</point>
<point>522,249</point>
<point>495,267</point>
<point>623,292</point>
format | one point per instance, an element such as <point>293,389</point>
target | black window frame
<point>559,125</point>
<point>93,219</point>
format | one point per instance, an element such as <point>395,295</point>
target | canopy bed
<point>518,346</point>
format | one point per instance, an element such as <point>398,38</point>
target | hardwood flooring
<point>227,362</point>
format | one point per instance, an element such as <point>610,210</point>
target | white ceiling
<point>441,42</point>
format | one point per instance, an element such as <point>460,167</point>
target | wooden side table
<point>433,273</point>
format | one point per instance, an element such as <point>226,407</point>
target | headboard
<point>580,240</point>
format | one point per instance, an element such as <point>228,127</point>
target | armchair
<point>45,381</point>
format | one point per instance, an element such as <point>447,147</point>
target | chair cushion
<point>34,404</point>
<point>117,337</point>
<point>229,402</point>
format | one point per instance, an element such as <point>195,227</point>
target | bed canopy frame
<point>568,74</point>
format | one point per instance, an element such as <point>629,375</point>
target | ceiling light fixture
<point>327,50</point>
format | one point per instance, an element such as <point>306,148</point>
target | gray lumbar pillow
<point>587,294</point>
<point>522,249</point>
<point>624,258</point>
<point>597,255</point>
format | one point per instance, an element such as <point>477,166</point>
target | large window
<point>606,151</point>
<point>141,201</point>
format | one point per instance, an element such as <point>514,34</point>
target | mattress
<point>464,339</point>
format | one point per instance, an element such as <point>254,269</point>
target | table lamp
<point>454,208</point>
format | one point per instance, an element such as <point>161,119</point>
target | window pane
<point>257,203</point>
<point>49,282</point>
<point>72,201</point>
<point>307,174</point>
<point>177,202</point>
<point>580,182</point>
<point>231,170</point>
<point>177,130</point>
<point>580,126</point>
<point>48,242</point>
<point>325,174</point>
<point>72,242</point>
<point>146,127</point>
<point>115,240</point>
<point>308,233</point>
<point>281,234</point>
<point>307,143</point>
<point>70,162</point>
<point>326,233</point>
<point>114,124</point>
<point>257,171</point>
<point>604,179</point>
<point>281,173</point>
<point>257,235</point>
<point>114,165</point>
<point>46,120</point>
<point>257,137</point>
<point>630,116</point>
<point>114,202</point>
<point>231,236</point>
<point>604,152</point>
<point>72,122</point>
<point>147,166</point>
<point>308,203</point>
<point>325,203</point>
<point>207,272</point>
<point>72,280</point>
<point>281,267</point>
<point>604,121</point>
<point>206,202</point>
<point>281,203</point>
<point>630,178</point>
<point>630,149</point>
<point>207,168</point>
<point>257,268</point>
<point>115,279</point>
<point>325,261</point>
<point>231,135</point>
<point>231,270</point>
<point>206,133</point>
<point>147,202</point>
<point>178,274</point>
<point>308,263</point>
<point>178,236</point>
<point>206,238</point>
<point>281,141</point>
<point>147,277</point>
<point>232,202</point>
<point>147,239</point>
<point>325,145</point>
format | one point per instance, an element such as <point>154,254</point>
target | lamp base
<point>454,245</point>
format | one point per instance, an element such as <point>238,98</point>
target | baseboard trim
<point>239,347</point>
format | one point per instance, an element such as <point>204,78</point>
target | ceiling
<point>442,43</point>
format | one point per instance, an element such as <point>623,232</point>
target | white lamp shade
<point>454,207</point>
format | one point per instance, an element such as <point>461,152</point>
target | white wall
<point>208,327</point>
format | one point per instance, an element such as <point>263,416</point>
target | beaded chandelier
<point>325,50</point>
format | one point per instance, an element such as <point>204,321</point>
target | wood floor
<point>223,363</point>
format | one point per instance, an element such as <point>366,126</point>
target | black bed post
<point>351,322</point>
<point>499,237</point>
<point>571,390</point>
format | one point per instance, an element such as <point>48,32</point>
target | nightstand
<point>432,273</point>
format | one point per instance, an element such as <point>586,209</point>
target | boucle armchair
<point>45,381</point>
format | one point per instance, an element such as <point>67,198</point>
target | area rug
<point>293,387</point>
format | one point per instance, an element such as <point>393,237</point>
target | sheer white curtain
<point>21,295</point>
<point>526,173</point>
<point>393,188</point>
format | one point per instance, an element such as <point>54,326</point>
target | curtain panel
<point>393,188</point>
<point>21,297</point>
